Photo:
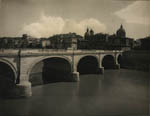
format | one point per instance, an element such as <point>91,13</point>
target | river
<point>116,93</point>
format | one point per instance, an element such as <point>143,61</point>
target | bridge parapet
<point>47,52</point>
<point>8,52</point>
<point>54,51</point>
<point>64,52</point>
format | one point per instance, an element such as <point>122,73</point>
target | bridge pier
<point>23,89</point>
<point>100,70</point>
<point>75,76</point>
<point>117,66</point>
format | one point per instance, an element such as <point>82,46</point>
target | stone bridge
<point>19,64</point>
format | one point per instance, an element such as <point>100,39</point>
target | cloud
<point>45,26</point>
<point>49,25</point>
<point>137,12</point>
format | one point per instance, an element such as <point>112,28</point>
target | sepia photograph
<point>74,57</point>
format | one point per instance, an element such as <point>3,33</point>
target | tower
<point>87,34</point>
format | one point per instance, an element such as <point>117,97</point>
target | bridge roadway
<point>22,62</point>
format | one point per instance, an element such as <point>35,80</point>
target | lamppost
<point>18,66</point>
<point>19,61</point>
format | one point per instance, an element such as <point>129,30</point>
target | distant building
<point>137,44</point>
<point>73,41</point>
<point>45,43</point>
<point>106,41</point>
<point>30,42</point>
<point>65,41</point>
<point>145,43</point>
<point>10,42</point>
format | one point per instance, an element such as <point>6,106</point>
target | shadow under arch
<point>7,78</point>
<point>108,62</point>
<point>88,65</point>
<point>50,70</point>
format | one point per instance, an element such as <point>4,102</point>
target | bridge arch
<point>8,77</point>
<point>53,69</point>
<point>88,64</point>
<point>12,67</point>
<point>108,61</point>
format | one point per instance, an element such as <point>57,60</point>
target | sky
<point>44,18</point>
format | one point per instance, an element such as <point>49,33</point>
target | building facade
<point>106,41</point>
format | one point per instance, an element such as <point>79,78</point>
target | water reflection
<point>117,92</point>
<point>90,85</point>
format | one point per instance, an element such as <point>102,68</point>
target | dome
<point>91,32</point>
<point>121,32</point>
